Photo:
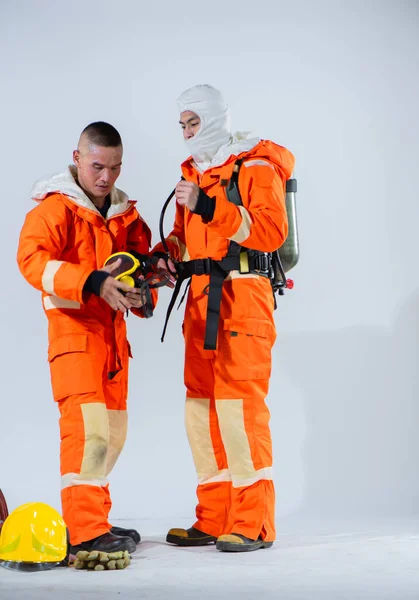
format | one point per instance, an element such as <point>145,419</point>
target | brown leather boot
<point>235,542</point>
<point>189,537</point>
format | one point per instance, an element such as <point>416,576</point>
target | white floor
<point>325,560</point>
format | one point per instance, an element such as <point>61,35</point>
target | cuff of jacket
<point>205,207</point>
<point>94,282</point>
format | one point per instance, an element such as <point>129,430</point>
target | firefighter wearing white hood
<point>227,420</point>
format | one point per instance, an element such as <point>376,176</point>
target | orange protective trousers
<point>227,423</point>
<point>93,428</point>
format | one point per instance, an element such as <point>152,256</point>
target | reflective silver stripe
<point>243,231</point>
<point>71,479</point>
<point>251,163</point>
<point>263,474</point>
<point>51,302</point>
<point>223,475</point>
<point>48,275</point>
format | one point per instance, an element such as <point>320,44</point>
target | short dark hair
<point>103,134</point>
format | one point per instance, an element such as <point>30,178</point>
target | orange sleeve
<point>42,240</point>
<point>176,239</point>
<point>261,223</point>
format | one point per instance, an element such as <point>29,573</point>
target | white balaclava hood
<point>215,129</point>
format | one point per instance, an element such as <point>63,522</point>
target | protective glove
<point>102,561</point>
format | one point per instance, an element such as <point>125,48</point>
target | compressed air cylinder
<point>289,252</point>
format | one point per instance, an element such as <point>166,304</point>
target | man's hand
<point>110,291</point>
<point>136,297</point>
<point>169,268</point>
<point>187,194</point>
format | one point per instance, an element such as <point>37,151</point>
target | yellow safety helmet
<point>33,538</point>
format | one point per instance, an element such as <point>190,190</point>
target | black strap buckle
<point>202,266</point>
<point>261,263</point>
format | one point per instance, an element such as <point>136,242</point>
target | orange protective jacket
<point>260,224</point>
<point>62,241</point>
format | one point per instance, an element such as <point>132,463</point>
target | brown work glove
<point>102,561</point>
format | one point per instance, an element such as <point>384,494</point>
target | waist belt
<point>251,261</point>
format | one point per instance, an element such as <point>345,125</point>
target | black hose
<point>162,214</point>
<point>161,222</point>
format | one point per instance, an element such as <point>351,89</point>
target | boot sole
<point>229,547</point>
<point>179,541</point>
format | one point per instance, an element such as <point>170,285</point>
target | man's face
<point>190,123</point>
<point>97,168</point>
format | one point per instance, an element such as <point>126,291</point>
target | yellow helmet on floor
<point>33,538</point>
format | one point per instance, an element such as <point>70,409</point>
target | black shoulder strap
<point>232,189</point>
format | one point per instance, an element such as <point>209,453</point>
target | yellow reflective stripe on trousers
<point>96,440</point>
<point>197,421</point>
<point>236,443</point>
<point>118,422</point>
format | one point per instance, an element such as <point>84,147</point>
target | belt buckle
<point>262,263</point>
<point>265,263</point>
<point>202,266</point>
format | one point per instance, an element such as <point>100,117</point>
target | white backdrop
<point>337,83</point>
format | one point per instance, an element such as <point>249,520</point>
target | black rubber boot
<point>108,542</point>
<point>132,533</point>
<point>189,537</point>
<point>235,542</point>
